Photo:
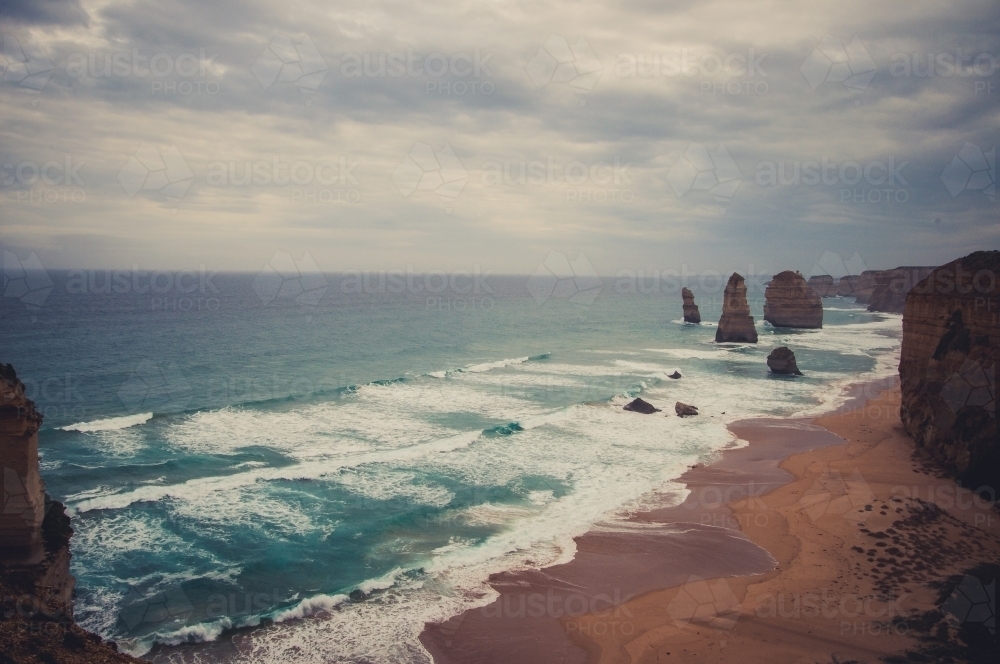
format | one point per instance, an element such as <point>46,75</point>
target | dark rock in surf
<point>782,361</point>
<point>684,410</point>
<point>637,405</point>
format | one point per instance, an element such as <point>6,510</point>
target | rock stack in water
<point>691,313</point>
<point>782,361</point>
<point>823,285</point>
<point>891,287</point>
<point>948,367</point>
<point>736,324</point>
<point>790,302</point>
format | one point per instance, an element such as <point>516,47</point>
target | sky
<point>493,135</point>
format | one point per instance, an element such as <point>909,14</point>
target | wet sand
<point>536,617</point>
<point>860,535</point>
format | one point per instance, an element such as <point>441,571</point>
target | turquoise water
<point>232,457</point>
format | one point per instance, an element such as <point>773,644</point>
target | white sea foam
<point>110,424</point>
<point>499,364</point>
<point>310,606</point>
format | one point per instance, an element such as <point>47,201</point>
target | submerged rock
<point>637,405</point>
<point>684,410</point>
<point>691,313</point>
<point>736,324</point>
<point>782,361</point>
<point>675,375</point>
<point>790,302</point>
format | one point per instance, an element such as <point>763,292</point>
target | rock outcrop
<point>638,405</point>
<point>675,375</point>
<point>736,324</point>
<point>691,313</point>
<point>34,549</point>
<point>782,361</point>
<point>23,492</point>
<point>684,410</point>
<point>823,285</point>
<point>948,366</point>
<point>790,302</point>
<point>864,287</point>
<point>891,286</point>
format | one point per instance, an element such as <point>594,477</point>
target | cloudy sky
<point>443,136</point>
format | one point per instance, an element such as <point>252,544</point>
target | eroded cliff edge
<point>951,342</point>
<point>36,587</point>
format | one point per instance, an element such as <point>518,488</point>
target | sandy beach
<point>821,536</point>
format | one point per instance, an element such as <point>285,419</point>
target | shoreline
<point>691,566</point>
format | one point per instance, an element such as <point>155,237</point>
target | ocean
<point>342,457</point>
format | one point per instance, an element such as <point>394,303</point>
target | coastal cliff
<point>823,285</point>
<point>36,587</point>
<point>891,286</point>
<point>790,302</point>
<point>951,343</point>
<point>691,313</point>
<point>736,324</point>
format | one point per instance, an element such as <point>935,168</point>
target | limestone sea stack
<point>782,361</point>
<point>948,366</point>
<point>790,302</point>
<point>823,285</point>
<point>736,324</point>
<point>891,287</point>
<point>691,313</point>
<point>685,410</point>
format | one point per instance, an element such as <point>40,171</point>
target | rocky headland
<point>782,361</point>
<point>951,343</point>
<point>36,587</point>
<point>823,285</point>
<point>790,302</point>
<point>891,286</point>
<point>691,313</point>
<point>736,324</point>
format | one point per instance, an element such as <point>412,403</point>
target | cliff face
<point>948,364</point>
<point>736,323</point>
<point>23,492</point>
<point>891,287</point>
<point>864,287</point>
<point>691,313</point>
<point>790,302</point>
<point>823,285</point>
<point>36,587</point>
